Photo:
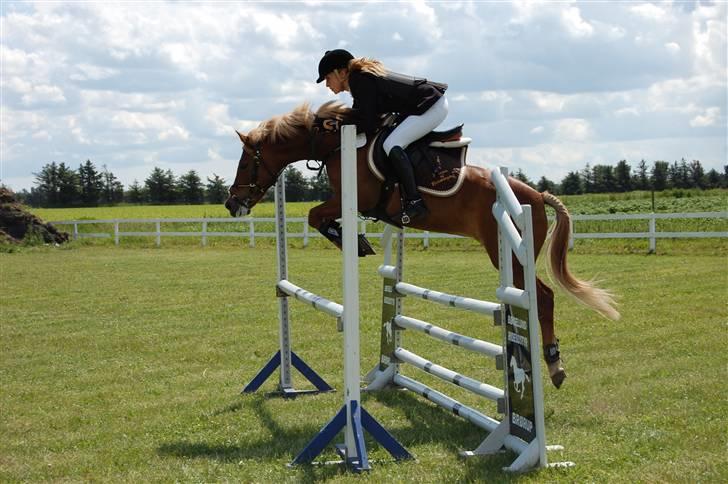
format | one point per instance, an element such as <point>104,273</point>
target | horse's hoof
<point>557,374</point>
<point>558,378</point>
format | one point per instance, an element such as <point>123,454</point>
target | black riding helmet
<point>332,60</point>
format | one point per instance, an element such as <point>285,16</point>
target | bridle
<point>254,189</point>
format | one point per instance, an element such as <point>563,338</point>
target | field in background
<point>670,201</point>
<point>673,201</point>
<point>125,364</point>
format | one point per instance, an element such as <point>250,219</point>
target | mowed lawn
<point>125,364</point>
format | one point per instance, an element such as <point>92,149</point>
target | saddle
<point>438,159</point>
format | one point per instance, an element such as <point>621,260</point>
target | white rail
<point>247,228</point>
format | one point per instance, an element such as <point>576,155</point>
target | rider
<point>377,91</point>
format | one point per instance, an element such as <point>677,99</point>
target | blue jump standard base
<point>298,363</point>
<point>360,420</point>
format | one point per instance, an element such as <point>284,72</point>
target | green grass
<point>125,364</point>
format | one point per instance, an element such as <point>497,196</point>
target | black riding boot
<point>414,206</point>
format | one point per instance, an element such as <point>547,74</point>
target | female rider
<point>377,91</point>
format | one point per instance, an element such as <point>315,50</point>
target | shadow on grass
<point>426,424</point>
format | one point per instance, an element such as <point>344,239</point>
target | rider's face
<point>335,82</point>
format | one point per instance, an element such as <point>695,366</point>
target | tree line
<point>59,185</point>
<point>620,178</point>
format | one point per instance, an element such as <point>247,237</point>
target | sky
<point>543,86</point>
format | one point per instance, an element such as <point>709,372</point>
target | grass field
<point>125,364</point>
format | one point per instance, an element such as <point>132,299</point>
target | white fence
<point>248,228</point>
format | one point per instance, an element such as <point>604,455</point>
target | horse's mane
<point>286,126</point>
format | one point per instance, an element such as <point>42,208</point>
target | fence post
<point>251,226</point>
<point>116,233</point>
<point>653,240</point>
<point>571,235</point>
<point>204,233</point>
<point>75,231</point>
<point>305,233</point>
<point>159,233</point>
<point>426,240</point>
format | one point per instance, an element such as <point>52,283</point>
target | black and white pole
<point>284,358</point>
<point>351,418</point>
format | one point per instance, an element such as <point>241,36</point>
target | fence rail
<point>248,228</point>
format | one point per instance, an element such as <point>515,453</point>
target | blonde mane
<point>285,126</point>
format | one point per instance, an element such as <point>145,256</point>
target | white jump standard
<point>284,358</point>
<point>352,418</point>
<point>522,429</point>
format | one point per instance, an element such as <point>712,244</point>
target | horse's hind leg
<point>545,297</point>
<point>545,302</point>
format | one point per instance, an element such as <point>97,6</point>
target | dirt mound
<point>17,224</point>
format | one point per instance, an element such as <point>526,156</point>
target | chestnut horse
<point>285,139</point>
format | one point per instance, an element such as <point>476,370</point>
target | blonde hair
<point>366,64</point>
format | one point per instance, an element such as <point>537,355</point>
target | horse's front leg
<point>323,218</point>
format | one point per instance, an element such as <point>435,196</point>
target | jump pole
<point>522,429</point>
<point>285,357</point>
<point>351,418</point>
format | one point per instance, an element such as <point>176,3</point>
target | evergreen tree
<point>642,180</point>
<point>571,184</point>
<point>712,179</point>
<point>112,191</point>
<point>320,187</point>
<point>160,186</point>
<point>660,175</point>
<point>623,178</point>
<point>521,176</point>
<point>697,174</point>
<point>216,191</point>
<point>587,176</point>
<point>91,182</point>
<point>136,193</point>
<point>679,174</point>
<point>189,188</point>
<point>296,185</point>
<point>69,191</point>
<point>545,185</point>
<point>47,184</point>
<point>603,179</point>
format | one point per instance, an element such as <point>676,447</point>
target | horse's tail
<point>585,292</point>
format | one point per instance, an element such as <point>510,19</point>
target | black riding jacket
<point>394,93</point>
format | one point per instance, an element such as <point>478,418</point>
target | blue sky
<point>543,86</point>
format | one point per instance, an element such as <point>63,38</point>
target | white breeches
<point>415,127</point>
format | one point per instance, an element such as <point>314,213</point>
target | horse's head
<point>269,148</point>
<point>258,170</point>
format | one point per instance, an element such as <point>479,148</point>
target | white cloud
<point>650,11</point>
<point>709,118</point>
<point>575,25</point>
<point>573,130</point>
<point>548,85</point>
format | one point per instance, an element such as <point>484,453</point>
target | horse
<point>285,139</point>
<point>519,376</point>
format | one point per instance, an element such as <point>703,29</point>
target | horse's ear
<point>243,138</point>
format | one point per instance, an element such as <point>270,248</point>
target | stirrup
<point>413,209</point>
